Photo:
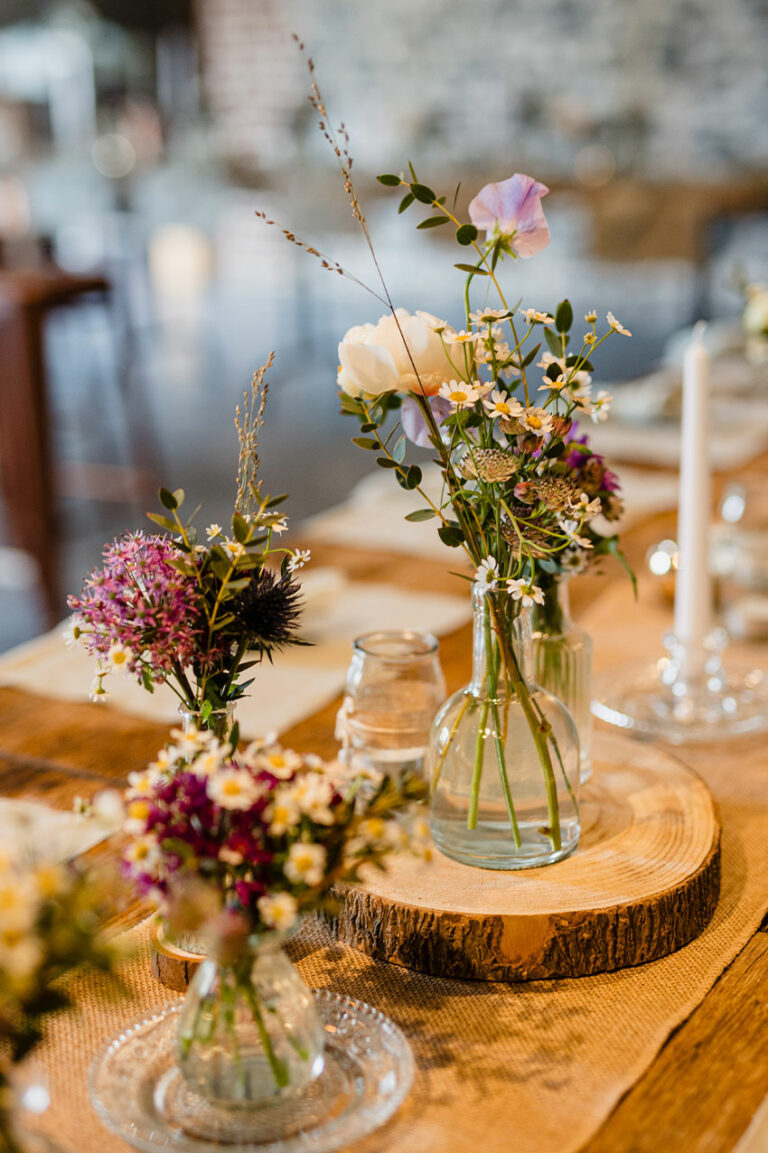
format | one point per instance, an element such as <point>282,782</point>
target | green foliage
<point>423,194</point>
<point>389,179</point>
<point>466,234</point>
<point>564,316</point>
<point>434,222</point>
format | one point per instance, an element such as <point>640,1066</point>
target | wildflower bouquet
<point>52,918</point>
<point>169,609</point>
<point>241,845</point>
<point>272,832</point>
<point>497,400</point>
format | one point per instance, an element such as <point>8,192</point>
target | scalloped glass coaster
<point>139,1093</point>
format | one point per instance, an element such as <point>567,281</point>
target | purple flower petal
<point>514,207</point>
<point>413,422</point>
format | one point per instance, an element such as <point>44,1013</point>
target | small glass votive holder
<point>394,687</point>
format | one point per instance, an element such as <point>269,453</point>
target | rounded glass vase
<point>504,754</point>
<point>562,662</point>
<point>249,1033</point>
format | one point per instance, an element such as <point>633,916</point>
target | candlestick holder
<point>687,696</point>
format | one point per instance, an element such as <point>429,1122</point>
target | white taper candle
<point>693,593</point>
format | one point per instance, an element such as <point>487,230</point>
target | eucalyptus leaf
<point>423,193</point>
<point>389,179</point>
<point>466,234</point>
<point>421,514</point>
<point>433,222</point>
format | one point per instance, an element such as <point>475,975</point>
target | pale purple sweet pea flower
<point>513,207</point>
<point>413,422</point>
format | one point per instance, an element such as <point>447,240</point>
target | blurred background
<point>138,290</point>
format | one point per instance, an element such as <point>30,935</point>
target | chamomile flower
<point>536,420</point>
<point>589,338</point>
<point>281,763</point>
<point>98,694</point>
<point>501,404</point>
<point>616,325</point>
<point>280,526</point>
<point>554,385</point>
<point>73,632</point>
<point>139,784</point>
<point>305,864</point>
<point>486,316</point>
<point>534,317</point>
<point>572,560</point>
<point>119,656</point>
<point>233,789</point>
<point>278,911</point>
<point>570,529</point>
<point>528,593</point>
<point>585,507</point>
<point>463,337</point>
<point>143,853</point>
<point>313,794</point>
<point>548,358</point>
<point>213,531</point>
<point>284,812</point>
<point>460,395</point>
<point>590,316</point>
<point>486,574</point>
<point>298,559</point>
<point>600,406</point>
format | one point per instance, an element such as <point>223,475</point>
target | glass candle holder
<point>394,687</point>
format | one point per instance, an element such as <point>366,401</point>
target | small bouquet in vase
<point>271,833</point>
<point>497,401</point>
<point>169,609</point>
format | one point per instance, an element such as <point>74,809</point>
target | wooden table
<point>708,1080</point>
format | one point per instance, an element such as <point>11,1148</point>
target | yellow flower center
<point>458,397</point>
<point>119,658</point>
<point>138,810</point>
<point>231,788</point>
<point>534,421</point>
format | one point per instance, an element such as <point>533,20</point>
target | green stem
<point>539,726</point>
<point>278,1067</point>
<point>468,699</point>
<point>474,794</point>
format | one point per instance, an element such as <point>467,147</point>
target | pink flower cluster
<point>139,600</point>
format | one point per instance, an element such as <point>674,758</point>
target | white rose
<point>373,358</point>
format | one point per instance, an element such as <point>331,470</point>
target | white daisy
<point>119,656</point>
<point>553,385</point>
<point>529,594</point>
<point>536,420</point>
<point>305,864</point>
<point>616,325</point>
<point>600,406</point>
<point>486,574</point>
<point>570,528</point>
<point>460,395</point>
<point>73,633</point>
<point>500,404</point>
<point>280,526</point>
<point>230,856</point>
<point>213,530</point>
<point>534,317</point>
<point>281,763</point>
<point>586,508</point>
<point>547,358</point>
<point>233,789</point>
<point>143,853</point>
<point>463,337</point>
<point>97,692</point>
<point>590,316</point>
<point>298,559</point>
<point>572,560</point>
<point>313,794</point>
<point>489,315</point>
<point>284,812</point>
<point>278,911</point>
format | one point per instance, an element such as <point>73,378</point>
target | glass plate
<point>139,1093</point>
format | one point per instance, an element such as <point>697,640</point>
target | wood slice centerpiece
<point>644,882</point>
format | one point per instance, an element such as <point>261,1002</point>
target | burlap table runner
<point>535,1068</point>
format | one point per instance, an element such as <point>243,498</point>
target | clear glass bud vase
<point>249,1033</point>
<point>504,754</point>
<point>220,722</point>
<point>562,662</point>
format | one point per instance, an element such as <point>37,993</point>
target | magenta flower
<point>513,208</point>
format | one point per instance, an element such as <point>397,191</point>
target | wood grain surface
<point>643,883</point>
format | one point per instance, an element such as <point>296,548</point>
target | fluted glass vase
<point>562,662</point>
<point>249,1033</point>
<point>220,722</point>
<point>504,754</point>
